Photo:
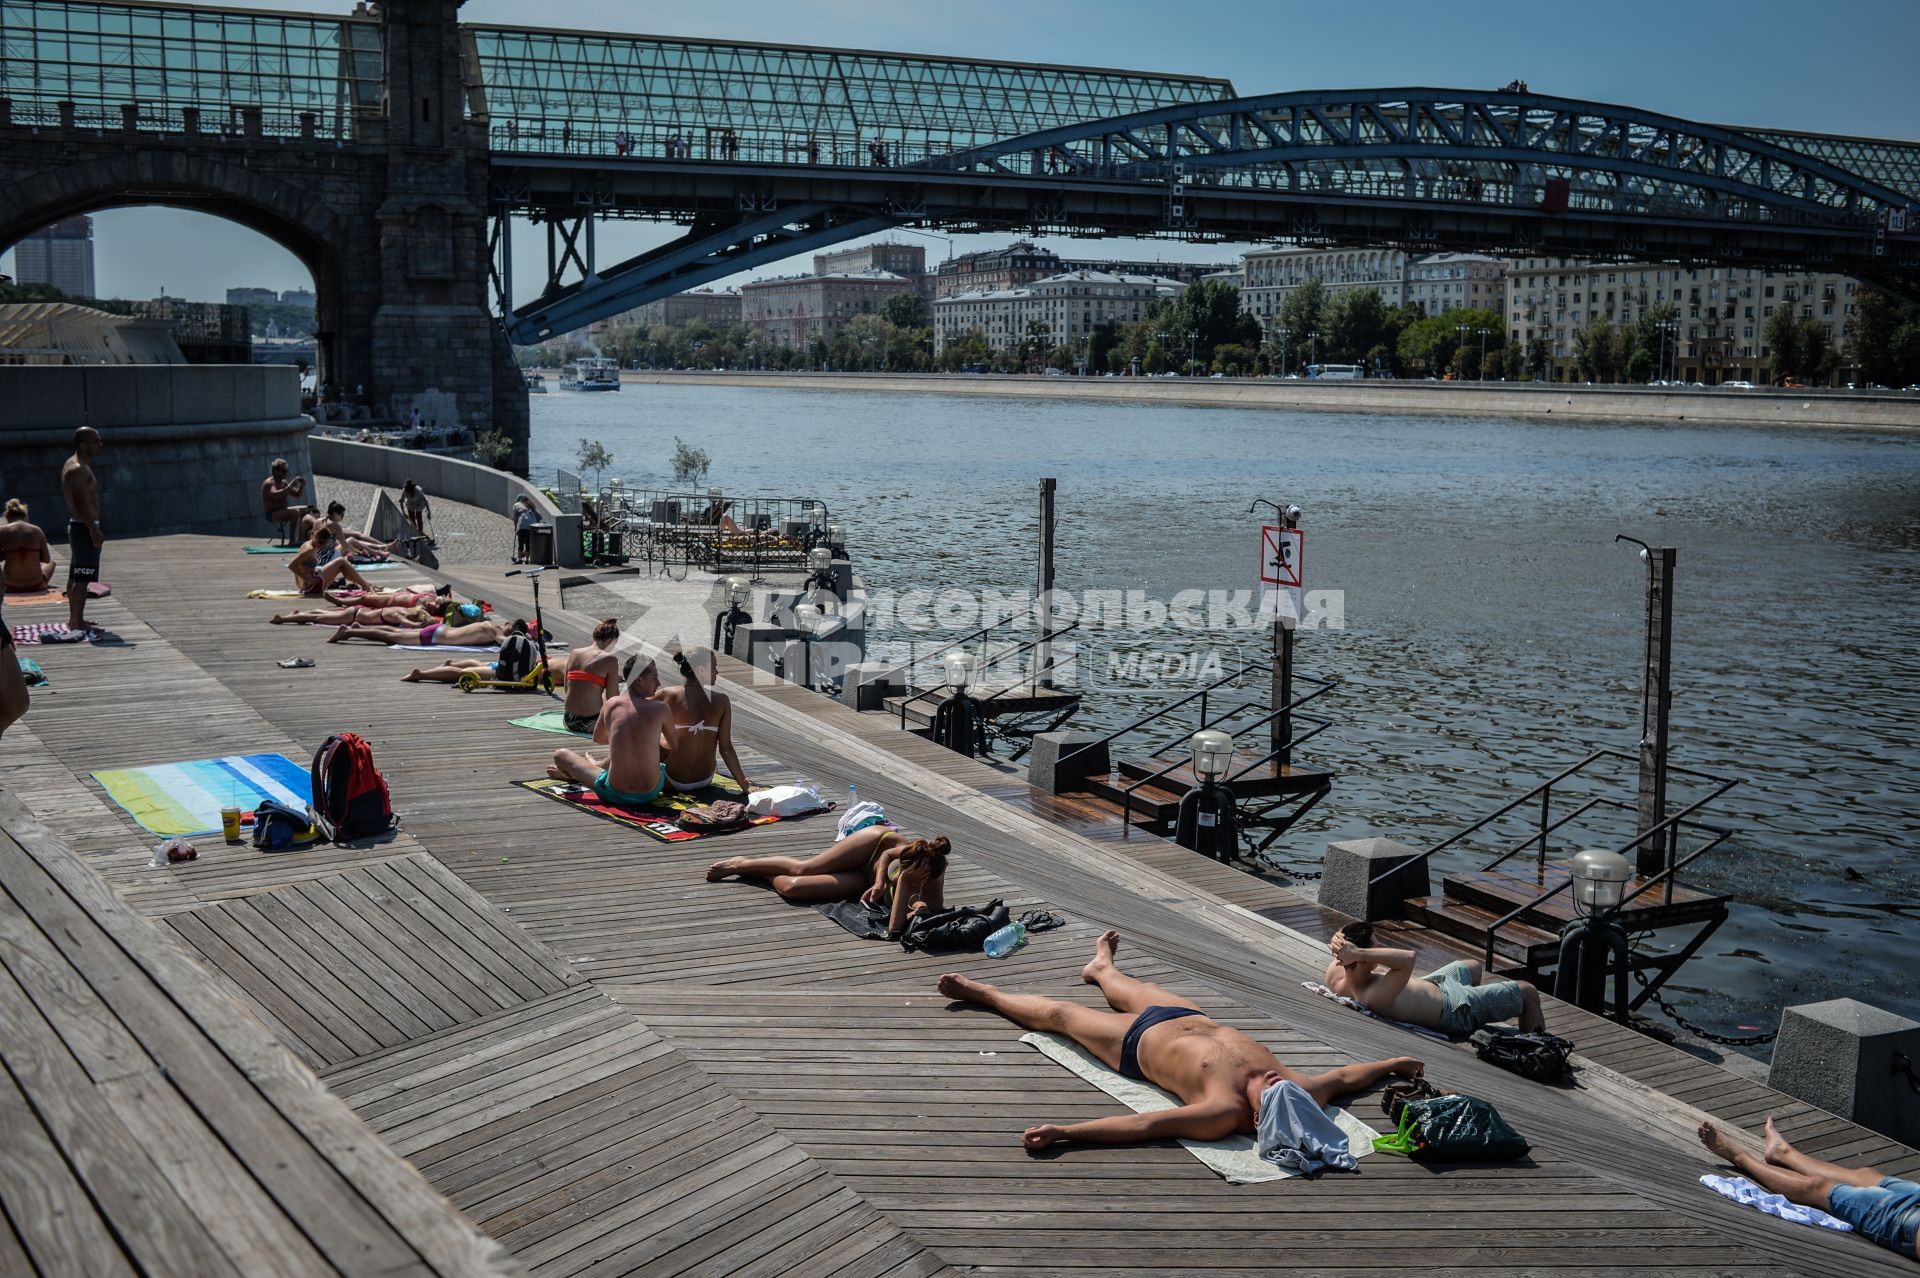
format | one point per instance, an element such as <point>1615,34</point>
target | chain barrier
<point>1724,1040</point>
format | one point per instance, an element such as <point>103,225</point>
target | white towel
<point>439,647</point>
<point>1742,1190</point>
<point>1234,1158</point>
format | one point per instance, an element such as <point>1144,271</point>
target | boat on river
<point>593,373</point>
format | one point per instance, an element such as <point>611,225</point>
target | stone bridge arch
<point>341,252</point>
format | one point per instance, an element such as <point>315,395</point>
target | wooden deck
<point>613,1067</point>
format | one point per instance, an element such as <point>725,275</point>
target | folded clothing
<point>1742,1190</point>
<point>1295,1133</point>
<point>786,801</point>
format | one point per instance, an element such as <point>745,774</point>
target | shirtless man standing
<point>84,537</point>
<point>1219,1074</point>
<point>277,491</point>
<point>702,726</point>
<point>28,560</point>
<point>631,726</point>
<point>1450,999</point>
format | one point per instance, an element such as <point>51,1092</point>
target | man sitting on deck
<point>277,491</point>
<point>1222,1077</point>
<point>1450,999</point>
<point>631,726</point>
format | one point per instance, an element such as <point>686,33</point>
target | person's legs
<point>13,684</point>
<point>1532,1019</point>
<point>1806,1189</point>
<point>331,575</point>
<point>851,855</point>
<point>376,634</point>
<point>1126,993</point>
<point>448,673</point>
<point>1326,1087</point>
<point>1099,1032</point>
<point>1782,1154</point>
<point>574,765</point>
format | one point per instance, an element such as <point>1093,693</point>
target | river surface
<point>1493,629</point>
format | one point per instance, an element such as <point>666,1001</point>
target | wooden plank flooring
<point>730,1084</point>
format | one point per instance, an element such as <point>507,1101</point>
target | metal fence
<point>673,530</point>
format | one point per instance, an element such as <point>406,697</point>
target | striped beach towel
<point>170,799</point>
<point>35,632</point>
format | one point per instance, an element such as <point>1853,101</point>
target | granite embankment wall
<point>186,444</point>
<point>1844,411</point>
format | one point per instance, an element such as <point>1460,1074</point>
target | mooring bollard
<point>1852,1059</point>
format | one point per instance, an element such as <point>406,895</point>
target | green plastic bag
<point>1453,1129</point>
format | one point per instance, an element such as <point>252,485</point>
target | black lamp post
<point>1594,946</point>
<point>1208,822</point>
<point>739,591</point>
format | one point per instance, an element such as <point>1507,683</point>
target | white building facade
<point>1071,306</point>
<point>1446,282</point>
<point>1271,274</point>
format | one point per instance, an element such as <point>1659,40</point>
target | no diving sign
<point>1283,568</point>
<point>1283,556</point>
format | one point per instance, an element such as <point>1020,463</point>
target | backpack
<point>516,659</point>
<point>1539,1056</point>
<point>1453,1129</point>
<point>350,798</point>
<point>956,928</point>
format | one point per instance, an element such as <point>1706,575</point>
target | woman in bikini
<point>592,675</point>
<point>468,632</point>
<point>315,577</point>
<point>702,726</point>
<point>436,599</point>
<point>352,542</point>
<point>452,668</point>
<point>356,615</point>
<point>884,868</point>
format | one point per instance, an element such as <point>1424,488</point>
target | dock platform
<point>607,1065</point>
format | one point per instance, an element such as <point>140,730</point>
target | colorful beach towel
<point>657,818</point>
<point>271,550</point>
<point>170,799</point>
<point>548,721</point>
<point>50,632</point>
<point>28,598</point>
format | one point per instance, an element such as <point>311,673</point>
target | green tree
<point>1035,344</point>
<point>1302,314</point>
<point>690,464</point>
<point>907,310</point>
<point>593,456</point>
<point>1539,358</point>
<point>1640,365</point>
<point>1355,321</point>
<point>1648,335</point>
<point>1816,354</point>
<point>1234,359</point>
<point>492,448</point>
<point>1209,311</point>
<point>969,350</point>
<point>1781,336</point>
<point>1597,350</point>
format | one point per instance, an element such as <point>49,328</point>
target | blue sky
<point>1845,66</point>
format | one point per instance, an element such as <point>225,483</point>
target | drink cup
<point>230,824</point>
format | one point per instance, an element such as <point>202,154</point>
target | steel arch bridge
<point>1420,169</point>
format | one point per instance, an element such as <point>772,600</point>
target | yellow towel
<point>275,594</point>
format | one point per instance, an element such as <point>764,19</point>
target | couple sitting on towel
<point>655,737</point>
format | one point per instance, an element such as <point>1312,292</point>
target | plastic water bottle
<point>1006,940</point>
<point>853,795</point>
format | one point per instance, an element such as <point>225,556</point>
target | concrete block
<point>203,393</point>
<point>250,393</point>
<point>842,578</point>
<point>567,548</point>
<point>865,685</point>
<point>1845,1056</point>
<point>1348,871</point>
<point>761,644</point>
<point>111,398</point>
<point>1059,761</point>
<point>280,391</point>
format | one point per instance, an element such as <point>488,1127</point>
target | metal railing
<point>680,529</point>
<point>1668,829</point>
<point>1293,740</point>
<point>986,661</point>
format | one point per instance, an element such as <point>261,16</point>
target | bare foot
<point>956,986</point>
<point>721,869</point>
<point>1777,1145</point>
<point>338,635</point>
<point>277,620</point>
<point>1103,952</point>
<point>553,770</point>
<point>411,676</point>
<point>1407,1067</point>
<point>1716,1141</point>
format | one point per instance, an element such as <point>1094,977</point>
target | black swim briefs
<point>581,723</point>
<point>1152,1016</point>
<point>82,555</point>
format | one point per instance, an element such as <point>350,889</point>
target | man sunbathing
<point>631,726</point>
<point>702,726</point>
<point>1884,1209</point>
<point>1450,999</point>
<point>1221,1076</point>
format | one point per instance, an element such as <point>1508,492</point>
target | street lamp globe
<point>806,618</point>
<point>1212,753</point>
<point>1599,880</point>
<point>960,669</point>
<point>739,590</point>
<point>819,560</point>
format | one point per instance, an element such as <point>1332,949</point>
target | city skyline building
<point>60,255</point>
<point>794,311</point>
<point>1071,305</point>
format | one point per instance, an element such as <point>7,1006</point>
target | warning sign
<point>1283,556</point>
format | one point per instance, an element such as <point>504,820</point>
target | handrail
<point>1031,644</point>
<point>1169,708</point>
<point>1127,793</point>
<point>988,665</point>
<point>1326,685</point>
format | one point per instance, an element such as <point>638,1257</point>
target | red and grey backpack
<point>349,795</point>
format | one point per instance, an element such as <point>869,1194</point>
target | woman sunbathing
<point>883,868</point>
<point>355,544</point>
<point>355,616</point>
<point>452,668</point>
<point>592,675</point>
<point>442,634</point>
<point>314,577</point>
<point>436,599</point>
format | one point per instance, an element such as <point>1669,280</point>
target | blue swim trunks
<point>621,798</point>
<point>1889,1213</point>
<point>1130,1044</point>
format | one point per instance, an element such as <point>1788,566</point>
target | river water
<point>1492,629</point>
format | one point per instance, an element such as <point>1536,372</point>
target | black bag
<point>1539,1056</point>
<point>515,661</point>
<point>277,827</point>
<point>1453,1129</point>
<point>956,928</point>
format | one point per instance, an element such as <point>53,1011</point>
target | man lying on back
<point>1451,999</point>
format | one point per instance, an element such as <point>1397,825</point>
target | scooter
<point>539,624</point>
